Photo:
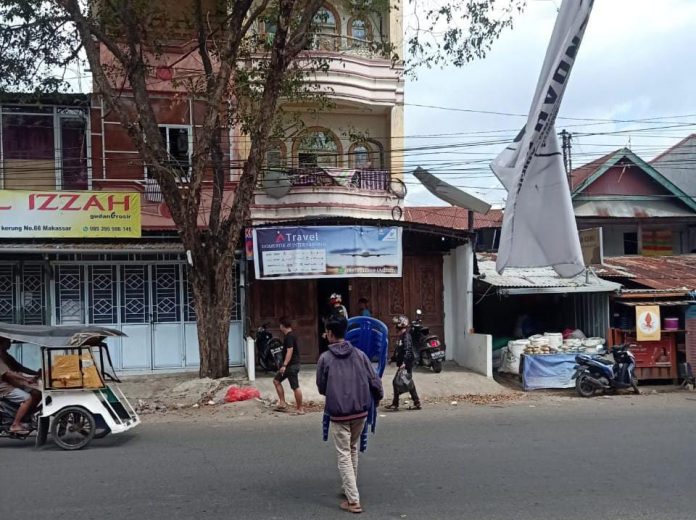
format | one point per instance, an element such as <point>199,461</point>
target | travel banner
<point>327,252</point>
<point>64,214</point>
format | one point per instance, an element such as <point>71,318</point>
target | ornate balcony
<point>327,192</point>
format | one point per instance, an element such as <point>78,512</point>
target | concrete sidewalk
<point>160,393</point>
<point>453,380</point>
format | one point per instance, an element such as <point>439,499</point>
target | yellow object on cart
<point>65,372</point>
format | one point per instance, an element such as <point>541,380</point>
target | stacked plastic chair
<point>372,337</point>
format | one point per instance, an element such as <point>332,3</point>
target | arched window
<point>325,19</point>
<point>366,156</point>
<point>326,26</point>
<point>317,147</point>
<point>275,155</point>
<point>359,29</point>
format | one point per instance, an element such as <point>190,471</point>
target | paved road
<point>619,458</point>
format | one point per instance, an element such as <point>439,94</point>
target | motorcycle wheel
<point>436,365</point>
<point>584,387</point>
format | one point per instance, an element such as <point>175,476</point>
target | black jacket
<point>403,353</point>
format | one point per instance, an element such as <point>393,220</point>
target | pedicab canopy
<point>64,369</point>
<point>55,336</point>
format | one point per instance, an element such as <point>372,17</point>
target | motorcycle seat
<point>604,361</point>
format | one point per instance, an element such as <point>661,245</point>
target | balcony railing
<point>369,180</point>
<point>348,45</point>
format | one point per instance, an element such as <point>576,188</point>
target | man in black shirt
<point>290,368</point>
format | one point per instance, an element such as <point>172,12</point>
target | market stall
<point>526,303</point>
<point>548,360</point>
<point>655,326</point>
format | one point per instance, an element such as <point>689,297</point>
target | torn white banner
<point>538,224</point>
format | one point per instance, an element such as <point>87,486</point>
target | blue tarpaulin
<point>548,371</point>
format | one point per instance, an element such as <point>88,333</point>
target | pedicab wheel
<point>73,428</point>
<point>437,366</point>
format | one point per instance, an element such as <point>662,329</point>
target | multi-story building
<point>341,165</point>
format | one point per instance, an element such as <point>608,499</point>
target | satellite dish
<point>276,184</point>
<point>449,193</point>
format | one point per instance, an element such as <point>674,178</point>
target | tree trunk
<point>213,295</point>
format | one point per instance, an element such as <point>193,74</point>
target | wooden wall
<point>421,287</point>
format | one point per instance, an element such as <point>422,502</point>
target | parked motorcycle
<point>269,349</point>
<point>594,373</point>
<point>429,350</point>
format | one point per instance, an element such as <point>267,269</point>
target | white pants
<point>346,437</point>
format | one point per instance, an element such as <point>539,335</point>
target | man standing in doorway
<point>348,380</point>
<point>290,369</point>
<point>364,305</point>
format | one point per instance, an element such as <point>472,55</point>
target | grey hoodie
<point>346,377</point>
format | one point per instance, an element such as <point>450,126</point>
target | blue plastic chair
<point>372,337</point>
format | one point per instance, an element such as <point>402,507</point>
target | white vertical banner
<point>539,224</point>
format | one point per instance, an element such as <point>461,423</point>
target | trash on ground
<point>236,393</point>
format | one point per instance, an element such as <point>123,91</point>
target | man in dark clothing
<point>404,357</point>
<point>348,380</point>
<point>290,368</point>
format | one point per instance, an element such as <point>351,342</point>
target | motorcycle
<point>8,411</point>
<point>594,373</point>
<point>429,350</point>
<point>270,349</point>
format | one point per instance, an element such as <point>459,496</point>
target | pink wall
<point>628,180</point>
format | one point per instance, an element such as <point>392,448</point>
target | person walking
<point>404,357</point>
<point>347,379</point>
<point>336,308</point>
<point>290,369</point>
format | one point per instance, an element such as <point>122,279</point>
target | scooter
<point>595,374</point>
<point>429,350</point>
<point>270,349</point>
<point>8,411</point>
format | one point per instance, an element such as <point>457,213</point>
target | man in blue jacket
<point>347,379</point>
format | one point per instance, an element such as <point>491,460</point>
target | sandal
<point>19,432</point>
<point>280,409</point>
<point>392,407</point>
<point>353,508</point>
<point>415,407</point>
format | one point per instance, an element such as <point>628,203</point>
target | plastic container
<point>671,324</point>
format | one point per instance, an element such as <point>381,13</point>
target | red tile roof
<point>452,217</point>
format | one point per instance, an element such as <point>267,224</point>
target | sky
<point>636,62</point>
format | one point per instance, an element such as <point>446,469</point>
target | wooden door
<point>421,287</point>
<point>296,299</point>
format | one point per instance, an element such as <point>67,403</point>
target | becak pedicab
<point>77,404</point>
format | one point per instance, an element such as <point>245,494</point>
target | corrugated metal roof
<point>630,208</point>
<point>539,279</point>
<point>654,272</point>
<point>678,164</point>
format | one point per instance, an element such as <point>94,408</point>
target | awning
<point>91,247</point>
<point>539,280</point>
<point>614,208</point>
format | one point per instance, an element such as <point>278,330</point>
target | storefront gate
<point>149,301</point>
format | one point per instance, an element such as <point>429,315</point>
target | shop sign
<point>648,323</point>
<point>327,252</point>
<point>591,245</point>
<point>64,214</point>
